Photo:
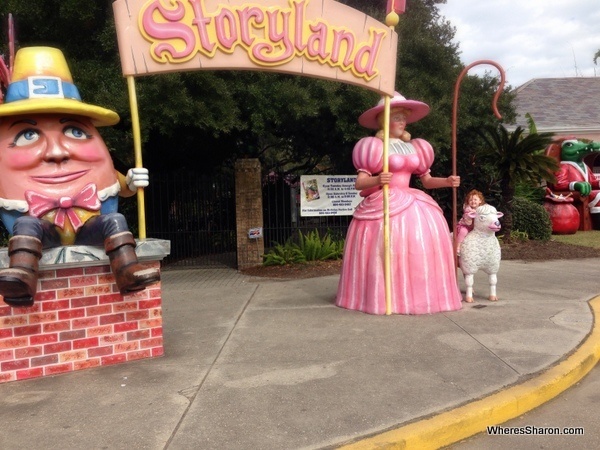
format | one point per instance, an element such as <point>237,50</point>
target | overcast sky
<point>528,38</point>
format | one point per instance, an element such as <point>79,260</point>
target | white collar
<point>23,207</point>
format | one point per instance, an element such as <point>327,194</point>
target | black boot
<point>129,274</point>
<point>18,283</point>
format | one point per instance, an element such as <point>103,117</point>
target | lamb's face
<point>486,219</point>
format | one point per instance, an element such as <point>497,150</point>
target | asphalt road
<point>577,407</point>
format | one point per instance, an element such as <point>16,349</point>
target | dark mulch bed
<point>527,251</point>
<point>307,270</point>
<point>540,251</point>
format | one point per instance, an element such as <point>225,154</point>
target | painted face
<point>474,201</point>
<point>52,154</point>
<point>398,122</point>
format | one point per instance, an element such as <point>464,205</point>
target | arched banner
<point>317,38</point>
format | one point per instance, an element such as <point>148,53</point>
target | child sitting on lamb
<point>473,200</point>
<point>481,249</point>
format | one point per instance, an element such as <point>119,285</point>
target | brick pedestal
<point>79,318</point>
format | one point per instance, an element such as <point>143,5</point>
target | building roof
<point>560,105</point>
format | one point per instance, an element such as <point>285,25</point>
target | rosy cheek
<point>21,160</point>
<point>89,151</point>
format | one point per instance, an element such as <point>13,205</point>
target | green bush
<point>531,218</point>
<point>310,247</point>
<point>534,194</point>
<point>315,248</point>
<point>516,236</point>
<point>281,255</point>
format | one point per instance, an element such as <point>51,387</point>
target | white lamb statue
<point>481,249</point>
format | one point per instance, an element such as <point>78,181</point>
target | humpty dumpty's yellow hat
<point>42,83</point>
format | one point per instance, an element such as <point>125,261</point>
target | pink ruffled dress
<point>423,274</point>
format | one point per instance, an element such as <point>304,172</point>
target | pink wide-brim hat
<point>418,110</point>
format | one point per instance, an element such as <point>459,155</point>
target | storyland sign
<point>317,38</point>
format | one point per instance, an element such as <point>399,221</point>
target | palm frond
<point>530,123</point>
<point>517,156</point>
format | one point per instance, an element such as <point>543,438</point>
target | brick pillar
<point>249,212</point>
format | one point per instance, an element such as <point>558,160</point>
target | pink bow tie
<point>39,204</point>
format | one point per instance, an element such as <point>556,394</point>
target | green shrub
<point>284,254</point>
<point>310,247</point>
<point>534,194</point>
<point>531,218</point>
<point>315,248</point>
<point>516,236</point>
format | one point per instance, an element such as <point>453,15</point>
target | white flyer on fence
<point>328,195</point>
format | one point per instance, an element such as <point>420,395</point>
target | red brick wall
<point>79,320</point>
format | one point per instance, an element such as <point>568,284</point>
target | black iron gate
<point>197,214</point>
<point>281,215</point>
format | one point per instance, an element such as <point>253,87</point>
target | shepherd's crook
<point>454,128</point>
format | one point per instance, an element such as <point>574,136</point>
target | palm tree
<point>515,158</point>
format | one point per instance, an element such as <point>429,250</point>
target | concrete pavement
<point>272,364</point>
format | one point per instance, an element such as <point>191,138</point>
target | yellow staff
<point>386,210</point>
<point>137,148</point>
<point>394,7</point>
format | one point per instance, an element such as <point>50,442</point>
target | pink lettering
<point>248,15</point>
<point>338,38</point>
<point>317,41</point>
<point>261,51</point>
<point>172,29</point>
<point>201,23</point>
<point>368,53</point>
<point>225,38</point>
<point>298,35</point>
<point>179,30</point>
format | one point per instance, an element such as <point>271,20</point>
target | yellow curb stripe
<point>465,421</point>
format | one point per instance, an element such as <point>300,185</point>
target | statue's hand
<point>137,178</point>
<point>583,187</point>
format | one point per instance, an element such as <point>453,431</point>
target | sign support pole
<point>137,148</point>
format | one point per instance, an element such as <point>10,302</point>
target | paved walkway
<point>273,364</point>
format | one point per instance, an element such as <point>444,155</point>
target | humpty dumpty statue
<point>58,185</point>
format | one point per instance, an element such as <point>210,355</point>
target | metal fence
<point>197,214</point>
<point>282,220</point>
